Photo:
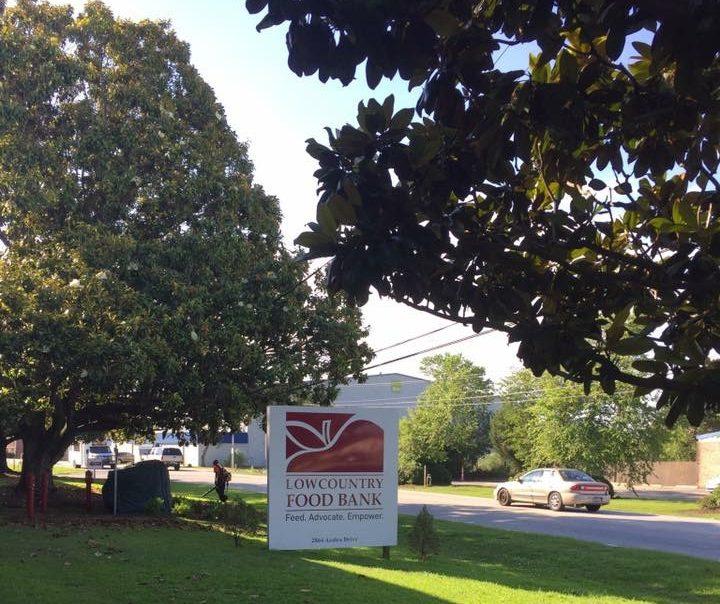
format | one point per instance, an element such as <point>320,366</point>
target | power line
<point>303,280</point>
<point>473,403</point>
<point>490,397</point>
<point>430,349</point>
<point>407,356</point>
<point>422,335</point>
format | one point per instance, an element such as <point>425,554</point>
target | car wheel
<point>503,497</point>
<point>555,502</point>
<point>592,507</point>
<point>177,467</point>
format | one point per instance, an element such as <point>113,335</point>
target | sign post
<point>332,477</point>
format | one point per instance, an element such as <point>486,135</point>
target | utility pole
<point>115,487</point>
<point>232,449</point>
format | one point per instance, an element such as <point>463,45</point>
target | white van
<point>170,455</point>
<point>91,455</point>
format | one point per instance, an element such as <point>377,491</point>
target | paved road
<point>690,536</point>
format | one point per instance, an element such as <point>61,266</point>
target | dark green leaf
<point>312,239</point>
<point>649,366</point>
<point>402,119</point>
<point>255,6</point>
<point>615,43</point>
<point>617,327</point>
<point>643,49</point>
<point>624,188</point>
<point>632,345</point>
<point>443,22</point>
<point>342,210</point>
<point>683,213</point>
<point>387,107</point>
<point>353,195</point>
<point>568,66</point>
<point>326,220</point>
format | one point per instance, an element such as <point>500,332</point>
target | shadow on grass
<point>475,564</point>
<point>175,565</point>
<point>553,565</point>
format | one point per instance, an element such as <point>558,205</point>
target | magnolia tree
<point>143,281</point>
<point>555,203</point>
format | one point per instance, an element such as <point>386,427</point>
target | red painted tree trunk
<point>3,454</point>
<point>40,453</point>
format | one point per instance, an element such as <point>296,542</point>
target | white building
<point>390,390</point>
<point>248,445</point>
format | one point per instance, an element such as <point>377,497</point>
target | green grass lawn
<point>78,562</point>
<point>253,471</point>
<point>467,491</point>
<point>672,507</point>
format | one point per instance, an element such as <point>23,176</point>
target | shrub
<point>439,474</point>
<point>424,539</point>
<point>492,464</point>
<point>711,501</point>
<point>407,469</point>
<point>155,507</point>
<point>236,515</point>
<point>240,461</point>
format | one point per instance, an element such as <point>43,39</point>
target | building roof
<point>395,390</point>
<point>709,436</point>
<point>390,378</point>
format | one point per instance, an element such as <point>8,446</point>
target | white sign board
<point>332,477</point>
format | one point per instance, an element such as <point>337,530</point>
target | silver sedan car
<point>555,488</point>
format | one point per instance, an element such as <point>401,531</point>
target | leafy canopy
<point>451,417</point>
<point>551,203</point>
<point>554,423</point>
<point>143,281</point>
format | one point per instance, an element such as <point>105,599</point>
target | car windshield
<point>172,452</point>
<point>576,475</point>
<point>100,449</point>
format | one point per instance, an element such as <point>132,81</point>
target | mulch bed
<point>66,508</point>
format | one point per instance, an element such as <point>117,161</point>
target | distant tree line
<point>537,422</point>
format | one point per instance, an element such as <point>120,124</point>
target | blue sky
<point>275,112</point>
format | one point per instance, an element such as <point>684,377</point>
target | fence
<point>670,474</point>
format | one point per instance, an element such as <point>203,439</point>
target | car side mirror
<point>520,480</point>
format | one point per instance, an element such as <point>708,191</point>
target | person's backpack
<point>227,477</point>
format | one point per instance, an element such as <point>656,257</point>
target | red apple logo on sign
<point>332,442</point>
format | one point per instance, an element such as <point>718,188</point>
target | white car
<point>713,483</point>
<point>170,456</point>
<point>91,455</point>
<point>556,488</point>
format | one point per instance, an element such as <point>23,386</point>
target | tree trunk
<point>462,470</point>
<point>41,451</point>
<point>3,454</point>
